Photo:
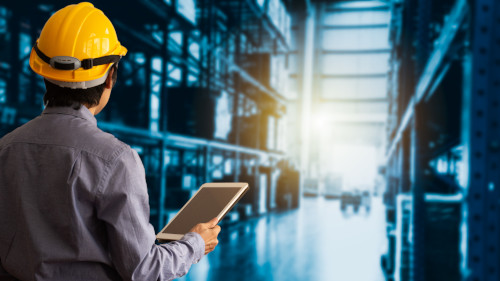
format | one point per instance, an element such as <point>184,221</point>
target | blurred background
<point>367,130</point>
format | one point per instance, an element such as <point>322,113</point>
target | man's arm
<point>122,203</point>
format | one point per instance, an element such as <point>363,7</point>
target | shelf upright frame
<point>482,138</point>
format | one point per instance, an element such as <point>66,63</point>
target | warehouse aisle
<point>316,242</point>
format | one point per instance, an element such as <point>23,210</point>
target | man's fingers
<point>216,229</point>
<point>209,247</point>
<point>213,222</point>
<point>214,232</point>
<point>210,224</point>
<point>212,244</point>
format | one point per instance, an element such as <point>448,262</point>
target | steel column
<point>483,194</point>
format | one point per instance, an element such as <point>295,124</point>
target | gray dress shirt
<point>74,206</point>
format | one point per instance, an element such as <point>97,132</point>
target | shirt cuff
<point>198,244</point>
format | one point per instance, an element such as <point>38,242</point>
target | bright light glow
<point>194,49</point>
<point>223,118</point>
<point>156,64</point>
<point>176,36</point>
<point>357,165</point>
<point>319,123</point>
<point>187,8</point>
<point>3,91</point>
<point>174,72</point>
<point>228,167</point>
<point>359,4</point>
<point>154,112</point>
<point>217,159</point>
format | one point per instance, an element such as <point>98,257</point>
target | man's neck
<point>92,109</point>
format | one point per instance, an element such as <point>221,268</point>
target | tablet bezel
<point>243,186</point>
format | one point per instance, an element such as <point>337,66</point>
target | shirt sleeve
<point>122,203</point>
<point>4,275</point>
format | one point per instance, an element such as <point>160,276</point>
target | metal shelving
<point>169,49</point>
<point>481,135</point>
<point>435,69</point>
<point>442,151</point>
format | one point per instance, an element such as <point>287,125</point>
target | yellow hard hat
<point>77,47</point>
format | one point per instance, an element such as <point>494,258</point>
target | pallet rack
<point>170,47</point>
<point>443,132</point>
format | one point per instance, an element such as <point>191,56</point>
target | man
<point>73,199</point>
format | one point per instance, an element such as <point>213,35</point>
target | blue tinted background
<point>354,122</point>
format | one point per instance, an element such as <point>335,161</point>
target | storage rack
<point>443,132</point>
<point>171,51</point>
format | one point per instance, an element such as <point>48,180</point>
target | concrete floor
<point>317,242</point>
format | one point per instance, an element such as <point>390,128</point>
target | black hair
<point>61,96</point>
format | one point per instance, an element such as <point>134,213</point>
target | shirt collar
<point>82,112</point>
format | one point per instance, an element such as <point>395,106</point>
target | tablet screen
<point>206,205</point>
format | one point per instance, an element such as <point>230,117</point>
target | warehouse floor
<point>316,242</point>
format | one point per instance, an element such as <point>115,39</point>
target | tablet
<point>210,201</point>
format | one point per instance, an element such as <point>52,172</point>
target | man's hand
<point>208,232</point>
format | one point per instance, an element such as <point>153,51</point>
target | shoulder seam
<point>109,165</point>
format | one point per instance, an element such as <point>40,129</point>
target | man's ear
<point>109,80</point>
